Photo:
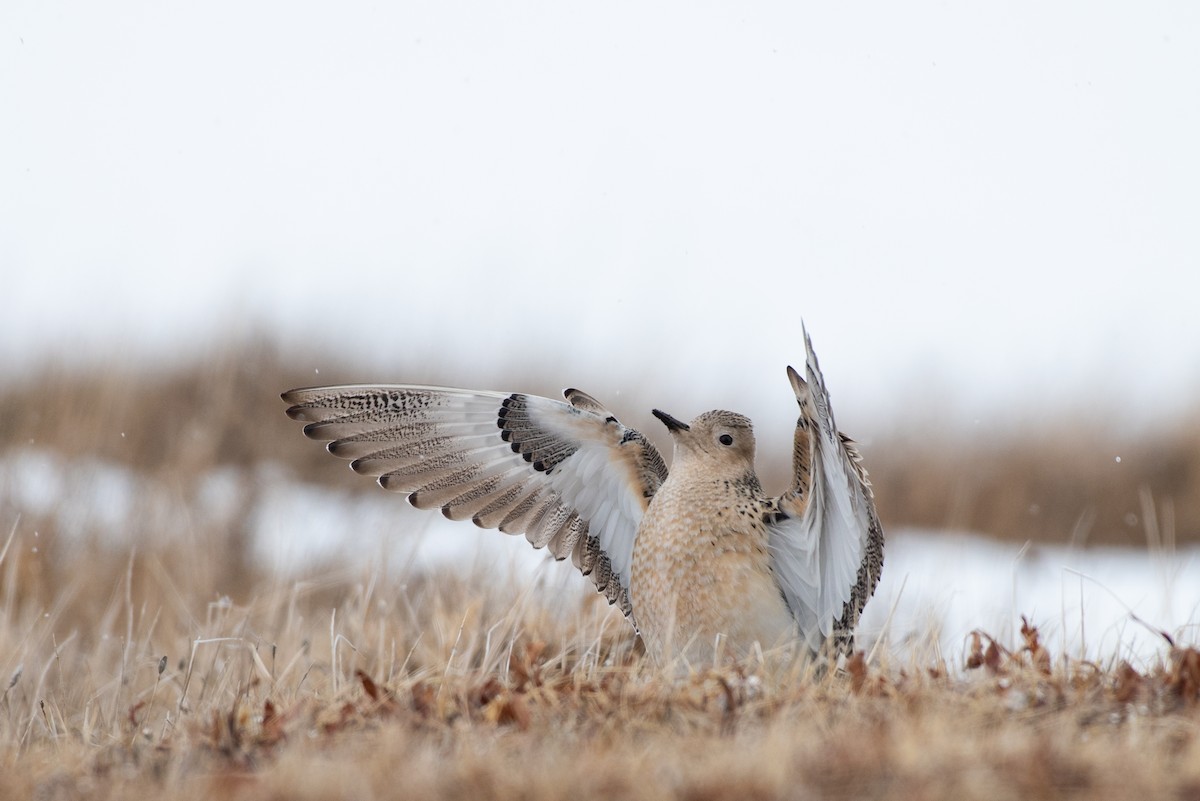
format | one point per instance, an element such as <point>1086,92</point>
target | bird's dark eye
<point>725,439</point>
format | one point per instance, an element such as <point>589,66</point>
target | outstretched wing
<point>826,542</point>
<point>568,476</point>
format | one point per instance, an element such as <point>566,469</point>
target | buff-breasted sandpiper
<point>698,558</point>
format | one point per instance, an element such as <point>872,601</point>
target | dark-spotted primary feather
<point>567,475</point>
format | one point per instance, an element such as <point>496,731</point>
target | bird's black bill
<point>670,422</point>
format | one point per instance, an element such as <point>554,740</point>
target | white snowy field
<point>936,588</point>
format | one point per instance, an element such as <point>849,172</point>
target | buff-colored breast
<point>701,571</point>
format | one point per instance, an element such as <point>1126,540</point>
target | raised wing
<point>568,476</point>
<point>825,540</point>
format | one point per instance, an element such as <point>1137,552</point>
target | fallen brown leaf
<point>1128,683</point>
<point>857,668</point>
<point>1184,677</point>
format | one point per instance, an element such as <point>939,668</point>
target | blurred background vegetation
<point>1062,480</point>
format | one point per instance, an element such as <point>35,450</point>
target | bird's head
<point>718,438</point>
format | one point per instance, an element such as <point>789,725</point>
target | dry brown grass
<point>1053,483</point>
<point>145,683</point>
<point>163,661</point>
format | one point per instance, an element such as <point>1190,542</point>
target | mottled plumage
<point>698,557</point>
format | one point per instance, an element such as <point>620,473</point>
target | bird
<point>699,559</point>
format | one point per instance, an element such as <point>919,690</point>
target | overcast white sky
<point>991,207</point>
